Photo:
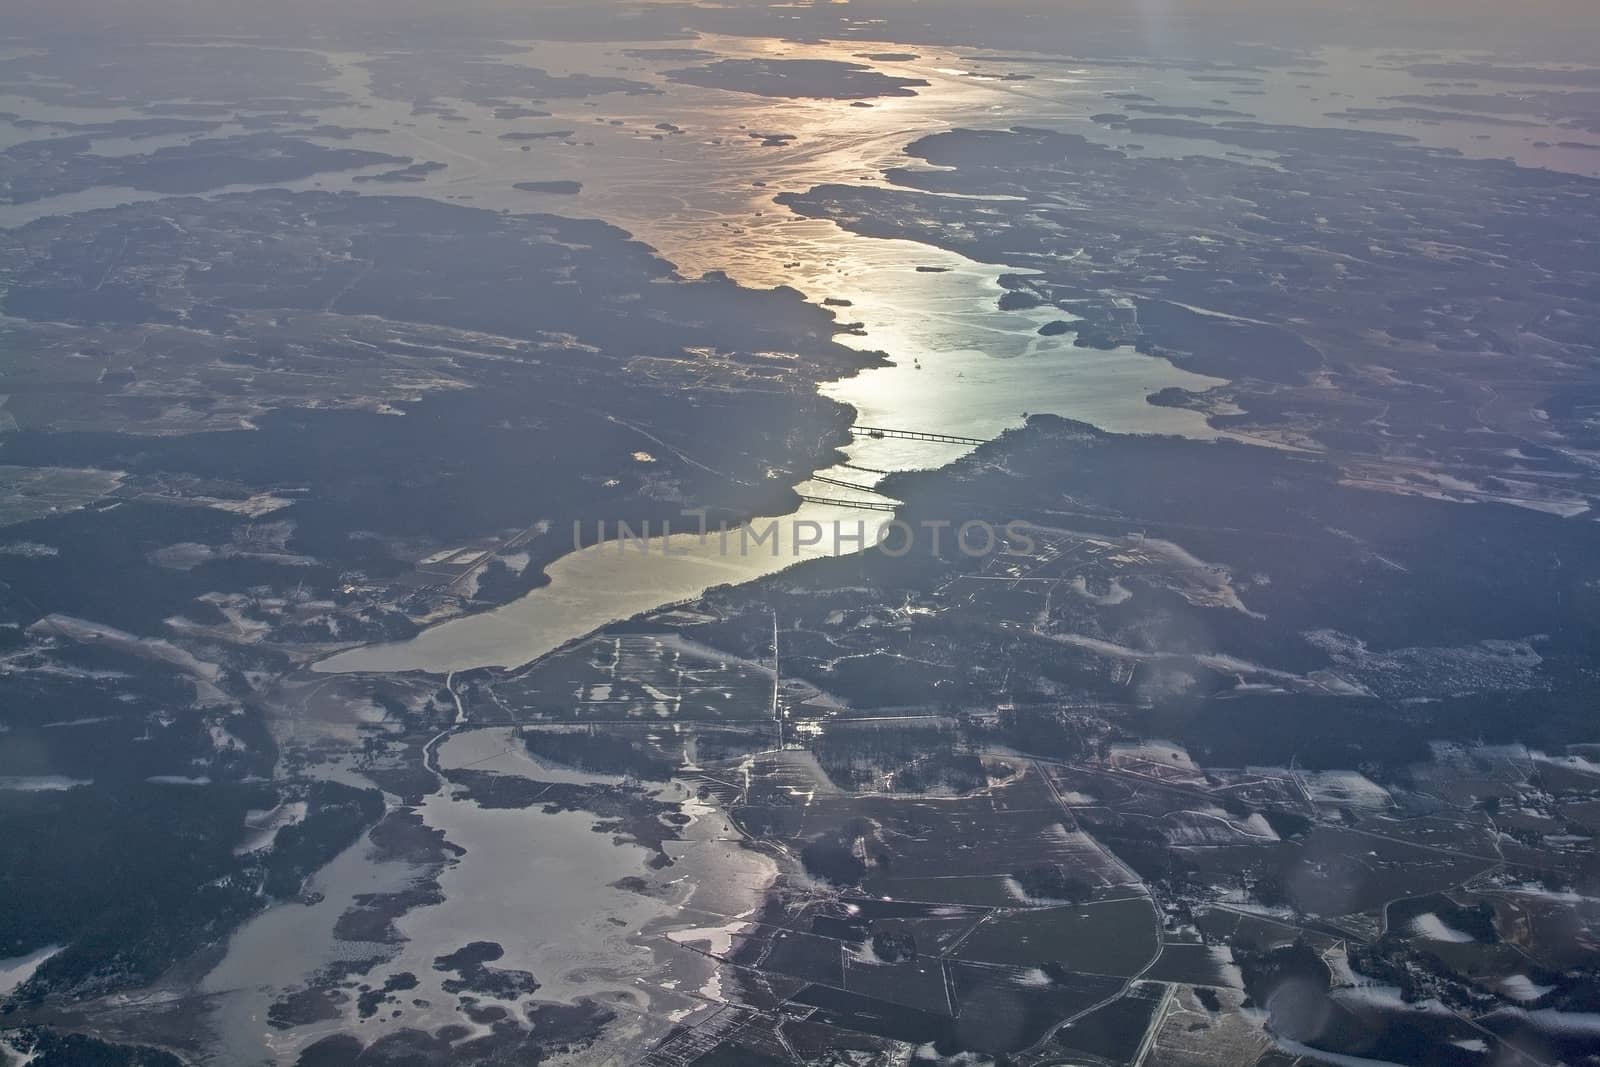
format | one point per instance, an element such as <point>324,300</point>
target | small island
<point>536,135</point>
<point>792,78</point>
<point>562,188</point>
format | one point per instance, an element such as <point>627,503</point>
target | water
<point>704,200</point>
<point>284,947</point>
<point>497,750</point>
<point>542,886</point>
<point>961,365</point>
<point>961,388</point>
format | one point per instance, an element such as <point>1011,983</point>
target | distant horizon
<point>1538,23</point>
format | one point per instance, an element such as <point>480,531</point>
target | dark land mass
<point>37,169</point>
<point>527,380</point>
<point>470,964</point>
<point>132,129</point>
<point>1422,114</point>
<point>148,631</point>
<point>548,1030</point>
<point>1382,628</point>
<point>519,112</point>
<point>532,135</point>
<point>821,78</point>
<point>560,188</point>
<point>1352,295</point>
<point>47,1048</point>
<point>416,172</point>
<point>1185,112</point>
<point>334,133</point>
<point>628,812</point>
<point>592,750</point>
<point>670,55</point>
<point>114,69</point>
<point>1585,77</point>
<point>1127,605</point>
<point>429,76</point>
<point>1573,108</point>
<point>153,875</point>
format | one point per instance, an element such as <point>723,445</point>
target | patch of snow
<point>1522,988</point>
<point>1585,1023</point>
<point>40,783</point>
<point>1432,928</point>
<point>18,969</point>
<point>1346,789</point>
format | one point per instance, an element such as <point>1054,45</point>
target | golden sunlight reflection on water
<point>704,200</point>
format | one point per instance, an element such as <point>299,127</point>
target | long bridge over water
<point>916,435</point>
<point>839,502</point>
<point>840,483</point>
<point>879,433</point>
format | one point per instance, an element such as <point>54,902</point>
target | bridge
<point>847,485</point>
<point>865,505</point>
<point>915,435</point>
